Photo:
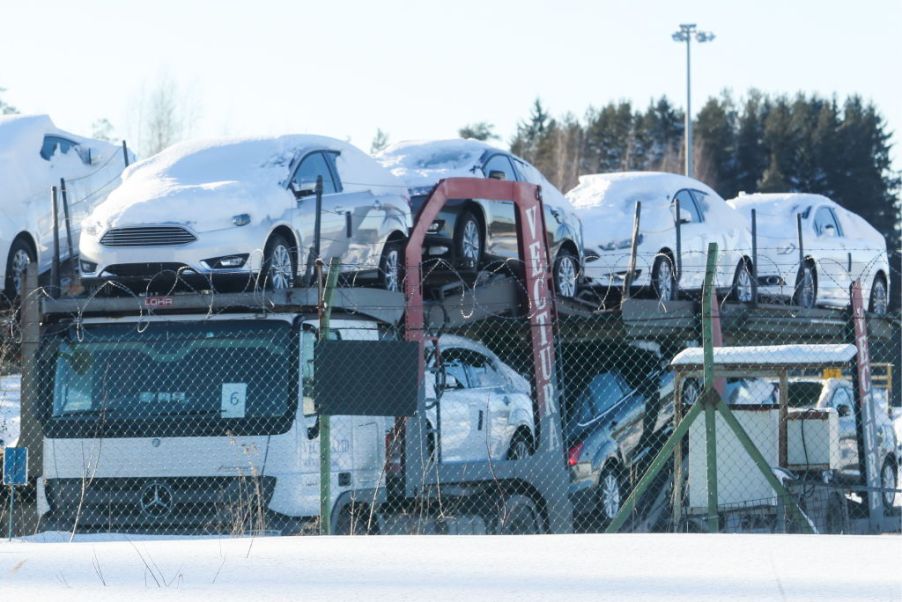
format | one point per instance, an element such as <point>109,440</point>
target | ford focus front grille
<point>145,236</point>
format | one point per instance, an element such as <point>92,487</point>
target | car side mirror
<point>829,231</point>
<point>843,411</point>
<point>302,189</point>
<point>451,382</point>
<point>496,174</point>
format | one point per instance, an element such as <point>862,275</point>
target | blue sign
<point>15,466</point>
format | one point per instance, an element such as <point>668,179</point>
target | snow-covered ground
<point>9,409</point>
<point>571,567</point>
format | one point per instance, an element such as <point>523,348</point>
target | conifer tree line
<point>759,143</point>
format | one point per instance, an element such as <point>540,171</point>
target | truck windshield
<point>224,370</point>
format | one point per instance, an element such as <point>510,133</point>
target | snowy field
<point>572,567</point>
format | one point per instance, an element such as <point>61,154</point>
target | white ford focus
<point>817,265</point>
<point>606,205</point>
<point>227,211</point>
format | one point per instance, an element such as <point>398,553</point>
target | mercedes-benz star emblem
<point>156,499</point>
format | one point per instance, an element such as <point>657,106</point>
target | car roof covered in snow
<point>238,175</point>
<point>422,163</point>
<point>775,212</point>
<point>768,355</point>
<point>22,169</point>
<point>606,203</point>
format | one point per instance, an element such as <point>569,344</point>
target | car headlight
<point>242,219</point>
<point>620,244</point>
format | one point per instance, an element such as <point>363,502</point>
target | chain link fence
<point>201,411</point>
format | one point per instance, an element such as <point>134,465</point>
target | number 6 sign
<point>234,396</point>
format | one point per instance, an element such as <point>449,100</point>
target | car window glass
<point>823,218</point>
<point>482,371</point>
<point>499,163</point>
<point>606,389</point>
<point>331,159</point>
<point>454,365</point>
<point>312,166</point>
<point>687,203</point>
<point>54,144</point>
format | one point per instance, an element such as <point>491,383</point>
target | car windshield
<point>804,394</point>
<point>220,369</point>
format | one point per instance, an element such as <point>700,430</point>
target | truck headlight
<point>242,219</point>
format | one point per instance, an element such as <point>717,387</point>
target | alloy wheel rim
<point>807,296</point>
<point>888,484</point>
<point>392,264</point>
<point>879,296</point>
<point>744,284</point>
<point>566,277</point>
<point>519,450</point>
<point>280,268</point>
<point>20,263</point>
<point>665,281</point>
<point>470,240</point>
<point>610,490</point>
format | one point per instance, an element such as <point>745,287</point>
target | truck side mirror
<point>451,382</point>
<point>842,410</point>
<point>496,174</point>
<point>302,189</point>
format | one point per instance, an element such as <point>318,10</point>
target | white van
<point>191,422</point>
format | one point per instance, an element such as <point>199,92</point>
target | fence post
<point>710,422</point>
<point>801,245</point>
<point>65,198</point>
<point>631,266</point>
<point>754,257</point>
<point>55,260</point>
<point>679,248</point>
<point>124,153</point>
<point>325,430</point>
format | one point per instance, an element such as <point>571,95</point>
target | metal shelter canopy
<point>766,357</point>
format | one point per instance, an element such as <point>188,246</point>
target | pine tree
<point>481,130</point>
<point>6,108</point>
<point>526,139</point>
<point>716,138</point>
<point>380,141</point>
<point>751,155</point>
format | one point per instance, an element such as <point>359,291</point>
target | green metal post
<point>762,465</point>
<point>656,465</point>
<point>325,431</point>
<point>710,429</point>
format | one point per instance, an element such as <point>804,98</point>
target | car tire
<point>279,264</point>
<point>517,515</point>
<point>663,278</point>
<point>610,493</point>
<point>468,241</point>
<point>806,287</point>
<point>742,290</point>
<point>354,519</point>
<point>20,255</point>
<point>391,266</point>
<point>878,300</point>
<point>566,275</point>
<point>888,485</point>
<point>520,447</point>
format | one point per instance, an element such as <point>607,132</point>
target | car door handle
<point>479,423</point>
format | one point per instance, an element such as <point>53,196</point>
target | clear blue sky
<point>421,69</point>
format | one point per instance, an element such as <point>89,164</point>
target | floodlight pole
<point>685,34</point>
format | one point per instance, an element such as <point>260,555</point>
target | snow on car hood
<point>204,183</point>
<point>776,216</point>
<point>27,176</point>
<point>422,163</point>
<point>606,204</point>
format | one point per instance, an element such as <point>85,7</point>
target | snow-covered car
<point>470,233</point>
<point>838,247</point>
<point>837,394</point>
<point>35,155</point>
<point>243,210</point>
<point>606,205</point>
<point>479,407</point>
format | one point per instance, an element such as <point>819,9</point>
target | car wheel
<point>20,255</point>
<point>517,515</point>
<point>878,304</point>
<point>806,287</point>
<point>468,241</point>
<point>391,266</point>
<point>566,274</point>
<point>354,519</point>
<point>279,267</point>
<point>742,283</point>
<point>888,484</point>
<point>520,446</point>
<point>610,493</point>
<point>663,278</point>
